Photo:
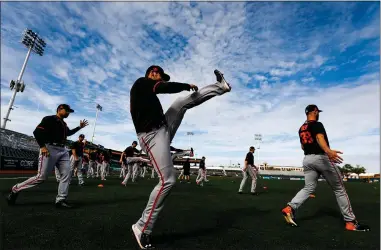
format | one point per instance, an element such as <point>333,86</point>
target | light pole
<point>190,134</point>
<point>99,108</point>
<point>35,44</point>
<point>258,140</point>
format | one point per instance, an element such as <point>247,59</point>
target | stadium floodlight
<point>99,108</point>
<point>34,43</point>
<point>258,140</point>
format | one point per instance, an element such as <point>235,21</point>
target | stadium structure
<point>19,154</point>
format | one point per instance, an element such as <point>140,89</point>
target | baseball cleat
<point>355,226</point>
<point>11,197</point>
<point>220,78</point>
<point>288,214</point>
<point>144,240</point>
<point>63,204</point>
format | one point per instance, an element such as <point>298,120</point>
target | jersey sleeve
<point>41,133</point>
<point>162,87</point>
<point>247,158</point>
<point>318,128</point>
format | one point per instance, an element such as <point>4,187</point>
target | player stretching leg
<point>320,159</point>
<point>105,165</point>
<point>131,160</point>
<point>51,135</point>
<point>156,131</point>
<point>201,173</point>
<point>249,169</point>
<point>76,158</point>
<point>92,164</point>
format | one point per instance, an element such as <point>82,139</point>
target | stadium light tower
<point>99,108</point>
<point>34,43</point>
<point>258,140</point>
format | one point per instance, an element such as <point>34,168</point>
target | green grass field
<point>209,217</point>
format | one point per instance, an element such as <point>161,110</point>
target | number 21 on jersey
<point>305,135</point>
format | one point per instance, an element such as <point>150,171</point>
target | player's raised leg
<point>176,111</point>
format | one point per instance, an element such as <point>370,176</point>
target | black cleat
<point>11,197</point>
<point>239,192</point>
<point>143,239</point>
<point>254,193</point>
<point>63,204</point>
<point>220,78</point>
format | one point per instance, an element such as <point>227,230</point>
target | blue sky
<point>278,56</point>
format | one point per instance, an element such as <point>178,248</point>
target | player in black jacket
<point>51,136</point>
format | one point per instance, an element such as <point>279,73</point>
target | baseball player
<point>156,131</point>
<point>320,159</point>
<point>186,171</point>
<point>92,163</point>
<point>201,173</point>
<point>123,164</point>
<point>132,162</point>
<point>152,173</point>
<point>85,163</point>
<point>76,158</point>
<point>144,170</point>
<point>105,165</point>
<point>99,163</point>
<point>249,169</point>
<point>51,135</point>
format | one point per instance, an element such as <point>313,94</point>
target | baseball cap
<point>159,69</point>
<point>82,135</point>
<point>66,107</point>
<point>135,142</point>
<point>312,107</point>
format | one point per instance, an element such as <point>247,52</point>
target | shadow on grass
<point>225,220</point>
<point>75,203</point>
<point>322,212</point>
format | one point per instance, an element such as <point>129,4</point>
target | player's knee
<point>310,188</point>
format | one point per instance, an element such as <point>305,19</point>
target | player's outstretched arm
<point>332,154</point>
<point>163,87</point>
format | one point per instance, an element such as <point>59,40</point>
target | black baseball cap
<point>312,107</point>
<point>159,69</point>
<point>82,135</point>
<point>135,142</point>
<point>66,107</point>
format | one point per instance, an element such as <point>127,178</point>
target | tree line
<point>348,169</point>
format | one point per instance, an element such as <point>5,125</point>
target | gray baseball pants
<point>250,171</point>
<point>59,157</point>
<point>91,169</point>
<point>157,145</point>
<point>76,165</point>
<point>314,165</point>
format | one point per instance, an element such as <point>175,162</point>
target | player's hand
<point>44,151</point>
<point>334,157</point>
<point>193,87</point>
<point>83,123</point>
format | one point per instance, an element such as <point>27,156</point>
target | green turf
<point>209,217</point>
